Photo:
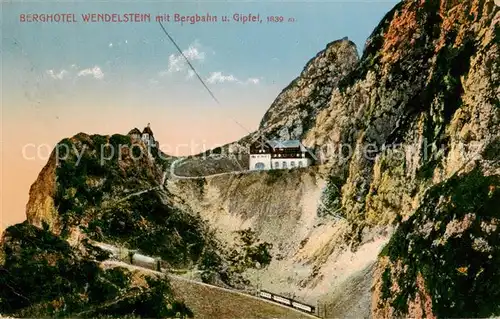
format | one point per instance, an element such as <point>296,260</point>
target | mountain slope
<point>109,189</point>
<point>443,261</point>
<point>42,275</point>
<point>420,109</point>
<point>294,110</point>
<point>291,114</point>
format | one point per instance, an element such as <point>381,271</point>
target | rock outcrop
<point>87,171</point>
<point>421,106</point>
<point>109,189</point>
<point>293,112</point>
<point>420,110</point>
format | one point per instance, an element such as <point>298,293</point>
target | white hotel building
<point>266,155</point>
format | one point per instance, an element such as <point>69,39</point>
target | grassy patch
<point>274,175</point>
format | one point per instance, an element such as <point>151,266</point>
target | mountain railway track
<point>189,286</point>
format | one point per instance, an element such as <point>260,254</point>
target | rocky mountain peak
<point>293,112</point>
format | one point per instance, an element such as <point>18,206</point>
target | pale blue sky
<point>59,70</point>
<point>136,53</point>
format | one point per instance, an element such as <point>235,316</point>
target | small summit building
<point>146,136</point>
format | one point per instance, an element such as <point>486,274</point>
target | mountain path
<point>174,176</point>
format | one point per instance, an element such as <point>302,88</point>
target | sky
<point>59,79</point>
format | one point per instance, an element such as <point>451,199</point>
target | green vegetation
<point>274,175</point>
<point>83,182</point>
<point>145,223</point>
<point>118,140</point>
<point>228,267</point>
<point>155,301</point>
<point>253,250</point>
<point>90,195</point>
<point>492,150</point>
<point>331,197</point>
<point>201,182</point>
<point>160,157</point>
<point>43,276</point>
<point>387,283</point>
<point>459,255</point>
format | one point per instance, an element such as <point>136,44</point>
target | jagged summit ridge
<point>294,110</point>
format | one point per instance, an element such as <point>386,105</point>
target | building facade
<point>147,137</point>
<point>266,155</point>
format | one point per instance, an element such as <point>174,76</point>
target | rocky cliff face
<point>420,105</point>
<point>86,172</point>
<point>293,112</point>
<point>421,109</point>
<point>442,261</point>
<point>312,260</point>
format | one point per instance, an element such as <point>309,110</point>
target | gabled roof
<point>277,144</point>
<point>147,130</point>
<point>287,144</point>
<point>135,130</point>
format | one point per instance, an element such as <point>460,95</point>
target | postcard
<point>250,159</point>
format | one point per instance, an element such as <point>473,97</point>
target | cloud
<point>218,77</point>
<point>96,72</point>
<point>253,81</point>
<point>177,63</point>
<point>74,71</point>
<point>57,76</point>
<point>110,44</point>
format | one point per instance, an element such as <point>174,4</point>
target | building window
<point>260,165</point>
<point>300,163</point>
<point>292,164</point>
<point>276,165</point>
<point>284,164</point>
<point>303,154</point>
